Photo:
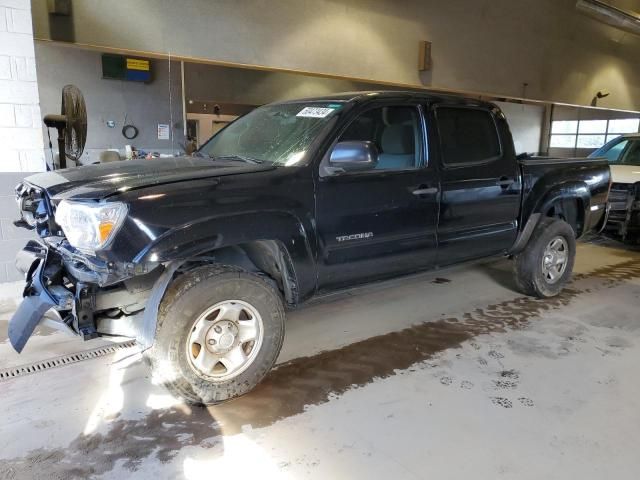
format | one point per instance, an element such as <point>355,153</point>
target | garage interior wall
<point>146,105</point>
<point>526,123</point>
<point>143,105</point>
<point>20,117</point>
<point>494,46</point>
<point>255,87</point>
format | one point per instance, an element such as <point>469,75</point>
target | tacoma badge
<point>355,236</point>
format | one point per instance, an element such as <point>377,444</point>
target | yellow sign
<point>136,64</point>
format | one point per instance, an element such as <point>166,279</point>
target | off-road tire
<point>186,298</point>
<point>529,276</point>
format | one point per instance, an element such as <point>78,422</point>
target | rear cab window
<point>468,136</point>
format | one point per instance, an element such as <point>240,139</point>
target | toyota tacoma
<point>199,257</point>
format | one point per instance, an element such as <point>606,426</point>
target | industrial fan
<point>71,125</point>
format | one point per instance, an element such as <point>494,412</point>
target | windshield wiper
<point>238,158</point>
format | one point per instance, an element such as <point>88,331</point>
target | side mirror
<point>354,156</point>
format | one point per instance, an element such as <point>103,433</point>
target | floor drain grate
<point>22,370</point>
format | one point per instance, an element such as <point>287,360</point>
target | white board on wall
<point>526,123</point>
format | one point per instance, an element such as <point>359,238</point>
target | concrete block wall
<point>21,142</point>
<point>20,120</point>
<point>12,238</point>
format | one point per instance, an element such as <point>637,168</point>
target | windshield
<point>280,134</point>
<point>620,151</point>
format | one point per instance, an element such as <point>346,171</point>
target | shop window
<point>589,134</point>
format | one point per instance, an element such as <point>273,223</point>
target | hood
<point>99,181</point>
<point>625,173</point>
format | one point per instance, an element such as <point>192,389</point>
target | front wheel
<point>219,332</point>
<point>545,265</point>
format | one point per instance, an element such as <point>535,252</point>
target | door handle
<point>426,191</point>
<point>504,182</point>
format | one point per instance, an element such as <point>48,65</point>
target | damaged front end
<point>38,299</point>
<point>72,290</point>
<point>59,293</point>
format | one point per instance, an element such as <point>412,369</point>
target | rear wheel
<point>545,265</point>
<point>220,330</point>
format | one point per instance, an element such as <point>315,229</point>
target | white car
<point>623,154</point>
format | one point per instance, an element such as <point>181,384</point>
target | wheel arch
<point>275,243</point>
<point>266,257</point>
<point>269,258</point>
<point>568,201</point>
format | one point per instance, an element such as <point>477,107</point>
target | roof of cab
<point>358,97</point>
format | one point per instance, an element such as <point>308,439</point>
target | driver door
<point>381,221</point>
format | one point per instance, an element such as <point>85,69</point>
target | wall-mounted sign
<point>119,67</point>
<point>163,131</point>
<point>424,56</point>
<point>137,64</point>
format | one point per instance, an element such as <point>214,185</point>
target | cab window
<point>467,136</point>
<point>395,132</point>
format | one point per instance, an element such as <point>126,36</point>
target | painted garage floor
<point>443,375</point>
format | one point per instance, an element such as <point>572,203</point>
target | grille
<point>22,370</point>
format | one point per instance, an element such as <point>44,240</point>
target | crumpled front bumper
<point>71,293</point>
<point>39,297</point>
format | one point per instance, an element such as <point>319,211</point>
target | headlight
<point>90,226</point>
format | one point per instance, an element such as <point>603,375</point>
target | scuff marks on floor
<point>294,386</point>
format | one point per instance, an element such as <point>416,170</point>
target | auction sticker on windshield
<point>315,112</point>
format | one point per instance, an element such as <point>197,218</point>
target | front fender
<point>197,238</point>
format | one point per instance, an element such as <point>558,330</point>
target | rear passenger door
<point>480,183</point>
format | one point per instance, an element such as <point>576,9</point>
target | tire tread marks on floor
<point>293,386</point>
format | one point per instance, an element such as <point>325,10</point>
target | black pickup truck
<point>198,257</point>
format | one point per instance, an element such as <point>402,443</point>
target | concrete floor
<point>443,375</point>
